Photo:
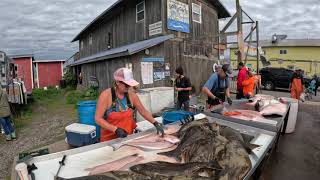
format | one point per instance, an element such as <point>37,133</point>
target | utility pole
<point>241,56</point>
<point>258,53</point>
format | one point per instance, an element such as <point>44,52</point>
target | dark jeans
<point>6,125</point>
<point>185,105</point>
<point>240,94</point>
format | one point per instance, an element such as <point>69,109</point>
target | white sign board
<point>155,28</point>
<point>178,16</point>
<point>147,72</point>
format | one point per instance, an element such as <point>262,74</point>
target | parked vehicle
<point>272,78</point>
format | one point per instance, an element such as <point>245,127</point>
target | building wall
<point>24,71</point>
<point>125,30</point>
<point>123,27</point>
<point>49,74</point>
<point>305,58</point>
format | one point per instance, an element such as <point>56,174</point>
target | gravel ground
<point>47,127</point>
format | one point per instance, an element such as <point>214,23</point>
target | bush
<point>77,96</point>
<point>71,79</point>
<point>50,93</point>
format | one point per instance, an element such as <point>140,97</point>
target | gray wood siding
<point>123,27</point>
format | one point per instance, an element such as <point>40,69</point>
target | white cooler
<point>81,134</point>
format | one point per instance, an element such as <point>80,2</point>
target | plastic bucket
<point>86,112</point>
<point>173,116</point>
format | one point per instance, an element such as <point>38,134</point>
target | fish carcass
<point>274,107</point>
<point>208,142</point>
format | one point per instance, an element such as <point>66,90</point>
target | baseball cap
<point>125,75</point>
<point>226,69</point>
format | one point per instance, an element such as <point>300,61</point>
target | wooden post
<point>258,53</point>
<point>240,33</point>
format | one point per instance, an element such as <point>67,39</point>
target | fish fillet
<point>150,142</point>
<point>249,115</point>
<point>114,165</point>
<point>171,129</point>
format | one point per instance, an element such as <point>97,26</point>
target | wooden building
<point>24,69</point>
<point>48,73</point>
<point>152,37</point>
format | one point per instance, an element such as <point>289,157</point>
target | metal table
<point>263,137</point>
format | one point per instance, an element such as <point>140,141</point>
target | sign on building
<point>178,16</point>
<point>155,28</point>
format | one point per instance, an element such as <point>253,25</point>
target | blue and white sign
<point>178,16</point>
<point>153,59</point>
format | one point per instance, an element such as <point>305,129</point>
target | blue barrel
<point>173,116</point>
<point>86,112</point>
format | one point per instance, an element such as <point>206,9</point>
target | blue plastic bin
<point>86,112</point>
<point>173,116</point>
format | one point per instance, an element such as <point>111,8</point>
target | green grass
<point>76,96</point>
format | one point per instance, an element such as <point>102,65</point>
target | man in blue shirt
<point>217,87</point>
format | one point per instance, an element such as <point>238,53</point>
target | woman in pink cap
<point>116,105</point>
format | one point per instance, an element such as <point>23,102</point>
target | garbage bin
<point>86,112</point>
<point>293,113</point>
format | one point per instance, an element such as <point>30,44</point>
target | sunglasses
<point>126,85</point>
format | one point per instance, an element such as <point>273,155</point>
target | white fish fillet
<point>249,115</point>
<point>150,142</point>
<point>115,165</point>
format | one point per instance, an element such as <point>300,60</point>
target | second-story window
<point>140,9</point>
<point>90,39</point>
<point>283,51</point>
<point>81,45</point>
<point>196,13</point>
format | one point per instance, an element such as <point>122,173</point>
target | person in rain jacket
<point>248,85</point>
<point>5,114</point>
<point>296,85</point>
<point>242,75</point>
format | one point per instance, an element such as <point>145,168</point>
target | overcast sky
<point>46,27</point>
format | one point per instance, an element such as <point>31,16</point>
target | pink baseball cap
<point>125,75</point>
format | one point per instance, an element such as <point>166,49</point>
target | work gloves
<point>121,133</point>
<point>229,101</point>
<point>159,128</point>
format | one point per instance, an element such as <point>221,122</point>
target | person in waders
<point>217,87</point>
<point>116,105</point>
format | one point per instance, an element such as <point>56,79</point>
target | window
<point>140,11</point>
<point>196,13</point>
<point>109,40</point>
<point>81,45</point>
<point>90,39</point>
<point>283,51</point>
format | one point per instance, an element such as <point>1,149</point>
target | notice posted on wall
<point>158,75</point>
<point>147,72</point>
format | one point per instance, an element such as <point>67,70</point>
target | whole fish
<point>114,165</point>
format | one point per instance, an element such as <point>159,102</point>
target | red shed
<point>48,72</point>
<point>24,69</point>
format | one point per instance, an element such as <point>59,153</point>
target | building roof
<point>21,55</point>
<point>48,61</point>
<point>288,43</point>
<point>222,13</point>
<point>123,50</point>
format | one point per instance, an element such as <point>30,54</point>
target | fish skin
<point>114,165</point>
<point>275,108</point>
<point>209,142</point>
<point>126,175</point>
<point>192,169</point>
<point>232,134</point>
